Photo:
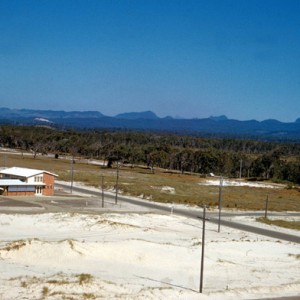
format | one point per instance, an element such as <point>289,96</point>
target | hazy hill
<point>148,115</point>
<point>216,126</point>
<point>47,114</point>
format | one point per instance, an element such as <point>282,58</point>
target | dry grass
<point>84,278</point>
<point>45,291</point>
<point>141,182</point>
<point>58,282</point>
<point>16,245</point>
<point>281,223</point>
<point>60,287</point>
<point>297,256</point>
<point>88,296</point>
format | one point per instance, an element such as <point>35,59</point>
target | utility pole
<point>117,184</point>
<point>72,174</point>
<point>266,209</point>
<point>102,191</point>
<point>202,252</point>
<point>220,202</point>
<point>241,164</point>
<point>4,160</point>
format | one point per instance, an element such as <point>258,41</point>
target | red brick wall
<point>19,193</point>
<point>48,179</point>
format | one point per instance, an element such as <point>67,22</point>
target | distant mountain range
<point>212,126</point>
<point>148,115</point>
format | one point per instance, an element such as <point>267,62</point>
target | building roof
<point>18,182</point>
<point>24,172</point>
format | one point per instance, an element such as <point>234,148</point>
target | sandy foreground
<point>139,256</point>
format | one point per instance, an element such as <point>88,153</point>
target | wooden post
<point>202,252</point>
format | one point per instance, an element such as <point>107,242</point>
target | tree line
<point>221,156</point>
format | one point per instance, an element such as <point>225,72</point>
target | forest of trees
<point>221,156</point>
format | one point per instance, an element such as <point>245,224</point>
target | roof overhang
<point>17,182</point>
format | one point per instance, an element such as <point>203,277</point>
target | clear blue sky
<point>181,58</point>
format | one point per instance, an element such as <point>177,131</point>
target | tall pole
<point>72,174</point>
<point>202,252</point>
<point>102,192</point>
<point>220,202</point>
<point>266,209</point>
<point>117,184</point>
<point>241,164</point>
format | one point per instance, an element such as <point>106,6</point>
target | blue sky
<point>183,58</point>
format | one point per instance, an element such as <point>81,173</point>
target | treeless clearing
<point>142,182</point>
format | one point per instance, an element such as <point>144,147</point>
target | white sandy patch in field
<point>132,256</point>
<point>227,182</point>
<point>168,190</point>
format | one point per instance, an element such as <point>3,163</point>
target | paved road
<point>195,214</point>
<point>284,298</point>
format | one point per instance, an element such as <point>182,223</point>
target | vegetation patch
<point>58,282</point>
<point>297,256</point>
<point>84,278</point>
<point>61,286</point>
<point>71,243</point>
<point>45,291</point>
<point>137,180</point>
<point>117,224</point>
<point>15,245</point>
<point>280,223</point>
<point>88,296</point>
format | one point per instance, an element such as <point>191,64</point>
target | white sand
<point>232,182</point>
<point>132,256</point>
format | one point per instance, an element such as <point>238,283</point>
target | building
<point>23,181</point>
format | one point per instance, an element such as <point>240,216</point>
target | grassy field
<point>281,223</point>
<point>141,182</point>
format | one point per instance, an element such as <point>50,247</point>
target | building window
<point>38,178</point>
<point>38,190</point>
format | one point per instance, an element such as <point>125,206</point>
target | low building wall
<point>19,193</point>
